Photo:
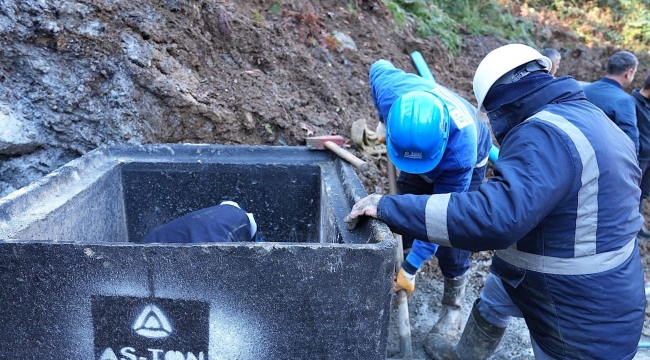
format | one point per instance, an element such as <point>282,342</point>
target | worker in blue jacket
<point>609,95</point>
<point>435,140</point>
<point>561,211</point>
<point>226,222</point>
<point>642,102</point>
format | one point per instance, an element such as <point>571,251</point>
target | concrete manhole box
<point>76,284</point>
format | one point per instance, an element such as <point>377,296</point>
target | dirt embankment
<point>78,75</point>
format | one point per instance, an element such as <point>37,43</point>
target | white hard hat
<point>500,62</point>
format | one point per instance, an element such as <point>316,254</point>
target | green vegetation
<point>276,8</point>
<point>259,19</point>
<point>352,8</point>
<point>449,18</point>
<point>622,23</point>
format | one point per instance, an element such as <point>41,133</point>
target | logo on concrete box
<point>129,328</point>
<point>152,323</point>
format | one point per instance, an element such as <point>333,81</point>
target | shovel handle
<point>346,155</point>
<point>404,324</point>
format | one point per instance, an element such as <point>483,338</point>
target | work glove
<point>404,281</point>
<point>381,132</point>
<point>366,206</point>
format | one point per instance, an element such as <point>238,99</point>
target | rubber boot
<point>450,316</point>
<point>478,342</point>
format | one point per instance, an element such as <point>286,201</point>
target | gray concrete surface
<point>76,284</point>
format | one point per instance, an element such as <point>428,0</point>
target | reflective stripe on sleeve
<point>435,215</point>
<point>583,265</point>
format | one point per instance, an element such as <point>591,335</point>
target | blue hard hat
<point>417,130</point>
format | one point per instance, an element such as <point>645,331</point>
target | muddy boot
<point>478,342</point>
<point>448,324</point>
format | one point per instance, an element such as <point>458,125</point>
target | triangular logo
<point>108,354</point>
<point>152,323</point>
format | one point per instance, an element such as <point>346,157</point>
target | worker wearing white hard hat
<point>561,211</point>
<point>504,67</point>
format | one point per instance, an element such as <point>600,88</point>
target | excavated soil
<point>78,75</point>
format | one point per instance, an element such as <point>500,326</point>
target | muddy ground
<point>75,75</point>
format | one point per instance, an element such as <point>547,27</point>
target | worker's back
<point>221,223</point>
<point>585,244</point>
<point>609,96</point>
<point>469,139</point>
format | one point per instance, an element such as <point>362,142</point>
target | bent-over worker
<point>226,222</point>
<point>434,139</point>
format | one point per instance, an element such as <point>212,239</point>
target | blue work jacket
<point>469,139</point>
<point>220,223</point>
<point>618,105</point>
<point>562,211</point>
<point>643,124</point>
<point>469,142</point>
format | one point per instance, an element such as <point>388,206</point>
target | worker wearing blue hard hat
<point>418,131</point>
<point>434,139</point>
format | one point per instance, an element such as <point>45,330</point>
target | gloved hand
<point>381,132</point>
<point>404,281</point>
<point>366,206</point>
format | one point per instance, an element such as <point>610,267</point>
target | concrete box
<point>76,284</point>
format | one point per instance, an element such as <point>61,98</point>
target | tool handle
<point>405,343</point>
<point>404,324</point>
<point>358,163</point>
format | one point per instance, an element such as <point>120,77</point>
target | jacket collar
<point>642,99</point>
<point>531,102</point>
<point>612,82</point>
